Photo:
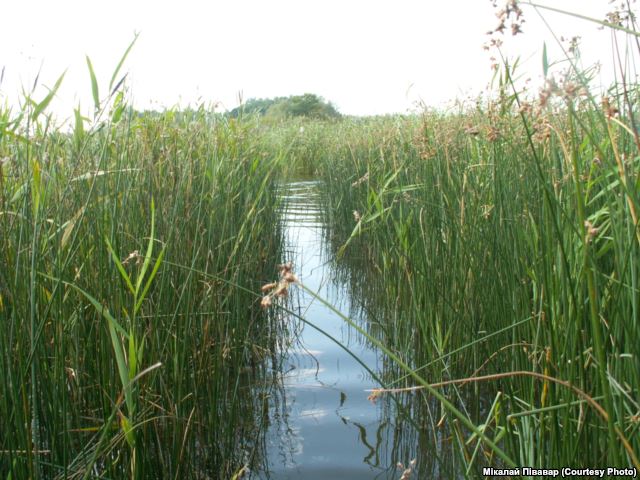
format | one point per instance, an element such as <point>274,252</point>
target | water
<point>321,424</point>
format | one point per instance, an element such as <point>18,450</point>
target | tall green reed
<point>499,247</point>
<point>131,250</point>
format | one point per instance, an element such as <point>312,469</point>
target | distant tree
<point>255,106</point>
<point>307,105</point>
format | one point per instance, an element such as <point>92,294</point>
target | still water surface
<point>322,425</point>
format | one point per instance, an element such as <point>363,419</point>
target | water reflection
<point>322,425</point>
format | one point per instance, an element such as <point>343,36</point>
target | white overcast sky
<point>367,57</point>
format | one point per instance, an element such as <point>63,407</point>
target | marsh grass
<point>483,250</point>
<point>497,248</point>
<point>131,251</point>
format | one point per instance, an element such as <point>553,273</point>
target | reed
<point>130,252</point>
<point>497,246</point>
<point>494,248</point>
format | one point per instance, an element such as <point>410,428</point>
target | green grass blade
<point>94,86</point>
<point>120,267</point>
<point>147,257</point>
<point>114,329</point>
<point>124,57</point>
<point>40,107</point>
<point>149,280</point>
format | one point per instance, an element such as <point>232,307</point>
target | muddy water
<point>322,426</point>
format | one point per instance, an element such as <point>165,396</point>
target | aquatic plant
<point>130,251</point>
<point>499,244</point>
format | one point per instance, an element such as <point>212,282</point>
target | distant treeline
<point>307,105</point>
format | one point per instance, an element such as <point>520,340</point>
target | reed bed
<point>494,249</point>
<point>131,252</point>
<point>497,247</point>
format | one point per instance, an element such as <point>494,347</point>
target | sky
<point>366,57</point>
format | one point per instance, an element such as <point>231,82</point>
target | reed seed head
<point>361,180</point>
<point>374,395</point>
<point>285,267</point>
<point>268,287</point>
<point>290,278</point>
<point>592,231</point>
<point>266,301</point>
<point>406,474</point>
<point>133,256</point>
<point>280,288</point>
<point>281,291</point>
<point>609,110</point>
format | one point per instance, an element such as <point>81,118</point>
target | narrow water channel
<point>323,426</point>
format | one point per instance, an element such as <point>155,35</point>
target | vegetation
<point>131,251</point>
<point>282,108</point>
<point>497,248</point>
<point>470,249</point>
<point>496,252</point>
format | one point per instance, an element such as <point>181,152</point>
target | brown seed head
<point>609,110</point>
<point>281,291</point>
<point>361,180</point>
<point>374,395</point>
<point>290,278</point>
<point>285,268</point>
<point>472,130</point>
<point>266,301</point>
<point>493,134</point>
<point>268,287</point>
<point>592,231</point>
